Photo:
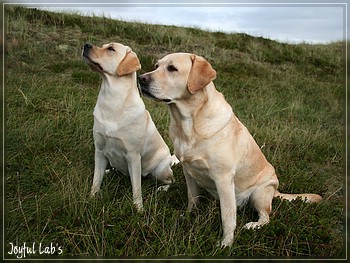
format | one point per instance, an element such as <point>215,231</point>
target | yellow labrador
<point>216,150</point>
<point>124,133</point>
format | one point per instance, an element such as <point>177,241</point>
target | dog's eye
<point>110,49</point>
<point>171,68</point>
<point>156,66</point>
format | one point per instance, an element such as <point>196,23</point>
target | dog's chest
<point>183,149</point>
<point>193,160</point>
<point>114,149</point>
<point>199,170</point>
<point>116,143</point>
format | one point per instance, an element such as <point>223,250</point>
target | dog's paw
<point>226,242</point>
<point>93,192</point>
<point>252,225</point>
<point>174,160</point>
<point>139,207</point>
<point>185,215</point>
<point>107,171</point>
<point>164,188</point>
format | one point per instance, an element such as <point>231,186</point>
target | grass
<point>291,98</point>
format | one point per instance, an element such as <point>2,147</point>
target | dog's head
<point>176,77</point>
<point>113,59</point>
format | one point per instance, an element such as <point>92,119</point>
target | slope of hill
<point>290,97</point>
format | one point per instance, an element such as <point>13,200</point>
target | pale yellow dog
<point>124,133</point>
<point>216,150</point>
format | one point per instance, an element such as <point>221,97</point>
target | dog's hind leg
<point>101,163</point>
<point>261,199</point>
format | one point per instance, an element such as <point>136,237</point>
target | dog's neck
<point>201,114</point>
<point>121,86</point>
<point>118,95</point>
<point>182,112</point>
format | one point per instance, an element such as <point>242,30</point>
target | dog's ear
<point>201,74</point>
<point>129,64</point>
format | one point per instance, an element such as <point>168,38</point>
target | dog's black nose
<point>145,79</point>
<point>86,49</point>
<point>87,46</point>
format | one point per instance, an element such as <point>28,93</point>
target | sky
<point>306,21</point>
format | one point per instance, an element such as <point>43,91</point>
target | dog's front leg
<point>101,163</point>
<point>192,191</point>
<point>228,207</point>
<point>134,168</point>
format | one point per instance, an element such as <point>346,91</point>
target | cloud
<point>311,24</point>
<point>314,23</point>
<point>284,23</point>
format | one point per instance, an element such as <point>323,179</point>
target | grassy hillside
<point>290,97</point>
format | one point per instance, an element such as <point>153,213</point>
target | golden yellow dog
<point>216,150</point>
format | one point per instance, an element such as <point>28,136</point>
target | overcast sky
<point>315,22</point>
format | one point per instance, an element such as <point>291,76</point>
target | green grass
<point>291,98</point>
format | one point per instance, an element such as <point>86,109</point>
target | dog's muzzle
<point>86,55</point>
<point>145,81</point>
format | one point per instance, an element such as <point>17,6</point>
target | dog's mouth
<point>91,63</point>
<point>146,93</point>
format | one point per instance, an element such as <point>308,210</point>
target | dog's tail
<point>307,198</point>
